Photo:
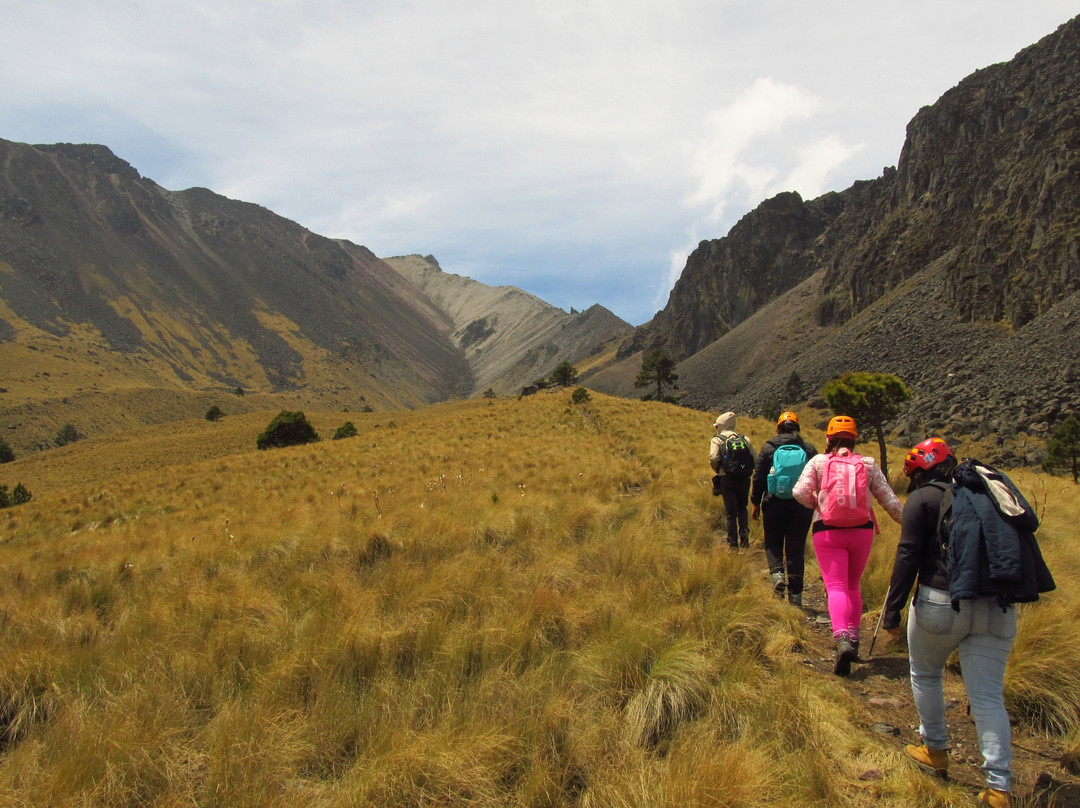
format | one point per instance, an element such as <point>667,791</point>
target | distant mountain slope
<point>207,291</point>
<point>959,269</point>
<point>123,303</point>
<point>510,338</point>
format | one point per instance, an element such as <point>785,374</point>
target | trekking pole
<point>880,618</point>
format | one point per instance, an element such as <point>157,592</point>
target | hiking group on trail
<point>967,548</point>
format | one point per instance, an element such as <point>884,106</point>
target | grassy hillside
<point>488,603</point>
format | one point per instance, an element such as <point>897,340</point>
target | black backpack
<point>987,532</point>
<point>738,459</point>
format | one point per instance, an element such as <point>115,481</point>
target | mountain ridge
<point>956,270</point>
<point>136,287</point>
<point>510,337</point>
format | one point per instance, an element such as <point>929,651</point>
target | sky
<point>576,149</point>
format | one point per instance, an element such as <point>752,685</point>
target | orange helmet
<point>787,416</point>
<point>926,455</point>
<point>842,423</point>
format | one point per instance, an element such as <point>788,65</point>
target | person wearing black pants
<point>733,470</point>
<point>784,521</point>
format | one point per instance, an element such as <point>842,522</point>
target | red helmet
<point>926,455</point>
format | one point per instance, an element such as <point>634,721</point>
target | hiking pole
<point>880,618</point>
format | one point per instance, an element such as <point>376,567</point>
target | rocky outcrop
<point>954,270</point>
<point>726,280</point>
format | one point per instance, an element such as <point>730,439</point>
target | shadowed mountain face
<point>959,270</point>
<point>206,290</point>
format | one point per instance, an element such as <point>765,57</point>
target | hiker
<point>784,521</point>
<point>838,485</point>
<point>981,627</point>
<point>732,459</point>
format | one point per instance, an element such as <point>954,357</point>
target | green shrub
<point>214,413</point>
<point>6,455</point>
<point>68,434</point>
<point>346,430</point>
<point>564,374</point>
<point>1063,449</point>
<point>18,495</point>
<point>287,429</point>
<point>580,396</point>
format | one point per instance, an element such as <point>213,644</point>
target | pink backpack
<point>844,499</point>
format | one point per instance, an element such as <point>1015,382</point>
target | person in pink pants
<point>843,526</point>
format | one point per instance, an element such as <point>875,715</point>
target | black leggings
<point>736,494</point>
<point>786,524</point>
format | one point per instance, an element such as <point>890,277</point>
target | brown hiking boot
<point>995,798</point>
<point>932,761</point>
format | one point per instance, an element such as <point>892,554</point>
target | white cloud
<point>729,157</point>
<point>817,162</point>
<point>502,132</point>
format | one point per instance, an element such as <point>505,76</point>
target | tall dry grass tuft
<point>676,690</point>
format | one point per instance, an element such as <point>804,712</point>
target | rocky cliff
<point>959,269</point>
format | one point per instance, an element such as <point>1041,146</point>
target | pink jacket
<point>809,484</point>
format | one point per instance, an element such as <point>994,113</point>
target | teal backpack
<point>788,461</point>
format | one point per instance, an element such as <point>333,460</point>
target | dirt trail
<point>881,685</point>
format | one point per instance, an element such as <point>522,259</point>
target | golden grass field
<point>483,603</point>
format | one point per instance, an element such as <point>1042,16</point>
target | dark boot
<point>845,655</point>
<point>744,537</point>
<point>855,649</point>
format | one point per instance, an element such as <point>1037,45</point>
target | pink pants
<point>841,555</point>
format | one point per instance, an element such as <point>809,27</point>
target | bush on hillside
<point>1063,449</point>
<point>580,396</point>
<point>214,413</point>
<point>771,408</point>
<point>346,430</point>
<point>793,388</point>
<point>564,374</point>
<point>287,429</point>
<point>18,495</point>
<point>67,434</point>
<point>6,454</point>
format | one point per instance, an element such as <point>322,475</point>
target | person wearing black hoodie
<point>979,629</point>
<point>784,521</point>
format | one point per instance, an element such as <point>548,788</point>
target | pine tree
<point>657,368</point>
<point>1064,448</point>
<point>872,399</point>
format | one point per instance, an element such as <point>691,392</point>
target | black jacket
<point>918,553</point>
<point>760,489</point>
